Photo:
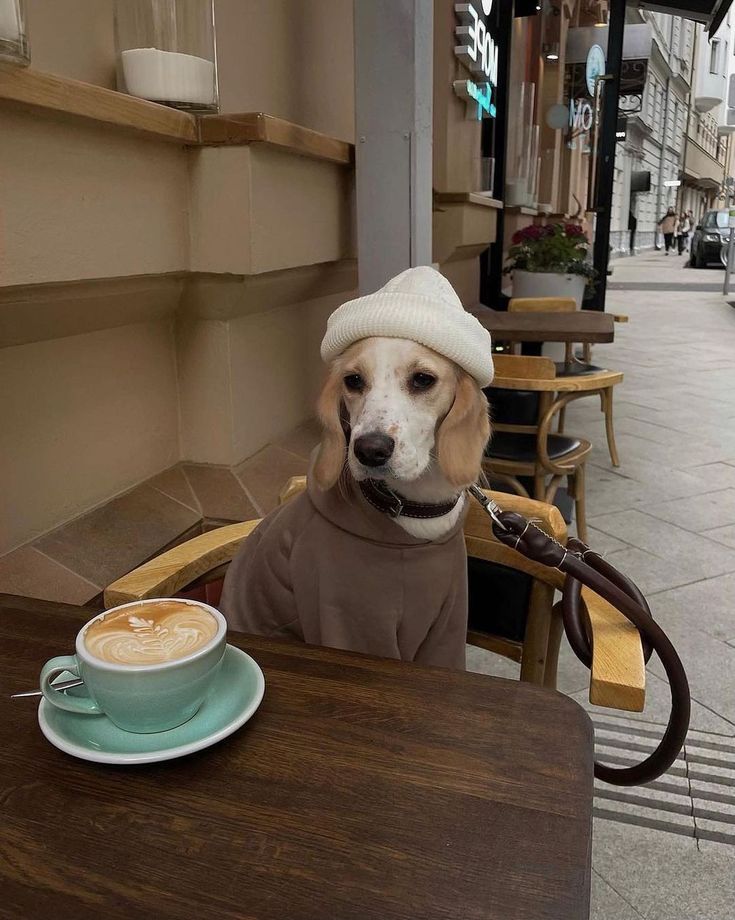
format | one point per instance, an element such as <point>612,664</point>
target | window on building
<point>675,124</point>
<point>714,56</point>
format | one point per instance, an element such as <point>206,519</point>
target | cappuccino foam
<point>150,633</point>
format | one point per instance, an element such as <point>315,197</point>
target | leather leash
<point>583,566</point>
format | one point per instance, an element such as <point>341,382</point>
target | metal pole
<point>601,251</point>
<point>685,147</point>
<point>394,54</point>
<point>491,261</point>
<point>728,267</point>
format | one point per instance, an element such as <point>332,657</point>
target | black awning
<point>719,13</point>
<point>709,12</point>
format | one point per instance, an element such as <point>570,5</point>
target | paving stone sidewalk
<point>666,516</point>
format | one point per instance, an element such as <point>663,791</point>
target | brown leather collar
<point>384,499</point>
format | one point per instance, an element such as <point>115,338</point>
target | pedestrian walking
<point>684,230</point>
<point>668,225</point>
<point>692,226</point>
<point>632,227</point>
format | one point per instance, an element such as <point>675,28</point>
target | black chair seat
<point>577,369</point>
<point>508,445</point>
<point>498,599</point>
<point>513,407</point>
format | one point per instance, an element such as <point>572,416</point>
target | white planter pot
<point>549,284</point>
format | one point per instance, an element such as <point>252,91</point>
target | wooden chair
<point>529,448</point>
<point>544,305</point>
<point>618,672</point>
<point>571,367</point>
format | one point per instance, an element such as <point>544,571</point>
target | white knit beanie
<point>420,305</point>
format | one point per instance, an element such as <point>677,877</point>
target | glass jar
<point>13,42</point>
<point>166,52</point>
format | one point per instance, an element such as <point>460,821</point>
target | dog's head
<point>391,408</point>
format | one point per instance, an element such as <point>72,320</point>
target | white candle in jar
<point>168,76</point>
<point>9,24</point>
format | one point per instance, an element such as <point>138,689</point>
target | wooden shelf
<point>31,90</point>
<point>481,198</point>
<point>256,127</point>
<point>44,92</point>
<point>521,209</point>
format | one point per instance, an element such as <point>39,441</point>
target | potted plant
<point>550,261</point>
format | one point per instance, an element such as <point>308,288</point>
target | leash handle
<point>583,566</point>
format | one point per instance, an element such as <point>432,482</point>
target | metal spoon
<point>62,685</point>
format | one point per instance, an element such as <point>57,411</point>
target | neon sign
<point>581,119</point>
<point>478,93</point>
<point>581,116</point>
<point>477,50</point>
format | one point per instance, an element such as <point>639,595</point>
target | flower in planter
<point>557,248</point>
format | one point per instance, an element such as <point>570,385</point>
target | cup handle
<point>54,667</point>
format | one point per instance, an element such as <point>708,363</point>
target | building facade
<point>705,167</point>
<point>675,150</point>
<point>648,160</point>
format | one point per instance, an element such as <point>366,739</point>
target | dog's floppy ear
<point>464,433</point>
<point>333,447</point>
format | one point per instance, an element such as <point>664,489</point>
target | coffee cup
<point>146,665</point>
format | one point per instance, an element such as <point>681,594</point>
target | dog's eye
<point>422,381</point>
<point>354,383</point>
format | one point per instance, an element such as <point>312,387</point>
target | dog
<point>371,557</point>
<point>416,422</point>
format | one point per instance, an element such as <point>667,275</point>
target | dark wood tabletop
<point>362,788</point>
<point>579,326</point>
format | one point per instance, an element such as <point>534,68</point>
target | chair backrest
<point>523,367</point>
<point>542,305</point>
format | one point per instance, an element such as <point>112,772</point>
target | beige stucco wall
<point>258,209</point>
<point>80,201</point>
<point>108,243</point>
<point>275,368</point>
<point>84,418</point>
<point>88,416</point>
<point>73,38</point>
<point>115,360</point>
<point>294,60</point>
<point>248,380</point>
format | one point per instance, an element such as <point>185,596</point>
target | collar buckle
<point>397,507</point>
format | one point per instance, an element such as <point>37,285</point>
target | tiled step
<point>695,798</point>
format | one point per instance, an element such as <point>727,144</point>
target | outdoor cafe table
<point>361,788</point>
<point>583,326</point>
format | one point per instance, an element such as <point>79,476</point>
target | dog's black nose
<point>374,449</point>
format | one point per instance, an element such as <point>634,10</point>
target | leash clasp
<point>490,506</point>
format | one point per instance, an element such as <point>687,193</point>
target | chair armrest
<point>477,522</point>
<point>618,674</point>
<point>293,487</point>
<point>175,569</point>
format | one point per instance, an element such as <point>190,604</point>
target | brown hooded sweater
<point>329,569</point>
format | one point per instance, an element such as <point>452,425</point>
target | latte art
<point>150,633</point>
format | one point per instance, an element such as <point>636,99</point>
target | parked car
<point>708,237</point>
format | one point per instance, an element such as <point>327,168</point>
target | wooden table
<point>587,326</point>
<point>362,789</point>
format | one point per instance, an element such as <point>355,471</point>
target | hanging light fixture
<point>551,51</point>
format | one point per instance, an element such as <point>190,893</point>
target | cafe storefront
<point>200,259</point>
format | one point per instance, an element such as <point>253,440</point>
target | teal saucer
<point>235,695</point>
